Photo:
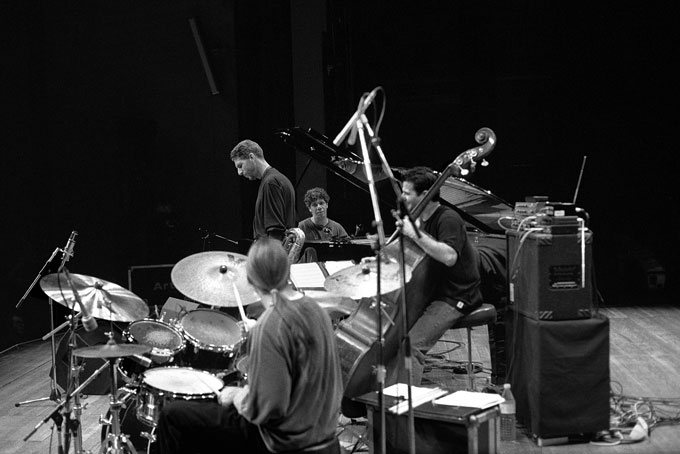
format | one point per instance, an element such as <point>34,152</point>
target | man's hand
<point>407,227</point>
<point>227,395</point>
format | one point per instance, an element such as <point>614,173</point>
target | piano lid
<point>479,207</point>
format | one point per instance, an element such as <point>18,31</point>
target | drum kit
<point>188,358</point>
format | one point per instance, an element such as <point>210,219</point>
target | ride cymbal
<point>210,278</point>
<point>102,299</point>
<point>361,281</point>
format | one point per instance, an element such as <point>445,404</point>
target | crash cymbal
<point>361,281</point>
<point>101,299</point>
<point>209,278</point>
<point>111,350</point>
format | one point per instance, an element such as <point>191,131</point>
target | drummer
<point>292,400</point>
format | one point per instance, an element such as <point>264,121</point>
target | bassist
<point>457,293</point>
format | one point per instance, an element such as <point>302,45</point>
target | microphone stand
<point>380,371</point>
<point>402,210</point>
<point>55,395</point>
<point>55,414</point>
<point>207,236</point>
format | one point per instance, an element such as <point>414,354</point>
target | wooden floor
<point>644,363</point>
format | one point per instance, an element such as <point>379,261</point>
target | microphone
<point>88,321</point>
<point>364,102</point>
<point>141,360</point>
<point>67,252</point>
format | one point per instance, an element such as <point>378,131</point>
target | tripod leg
<point>55,395</point>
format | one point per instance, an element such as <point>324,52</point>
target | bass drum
<point>137,432</point>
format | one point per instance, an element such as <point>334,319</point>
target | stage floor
<point>644,363</point>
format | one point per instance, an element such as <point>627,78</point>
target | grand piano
<point>479,208</point>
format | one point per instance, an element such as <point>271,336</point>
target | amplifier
<point>550,275</point>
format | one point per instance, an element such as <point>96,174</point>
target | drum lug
<point>104,421</point>
<point>149,436</point>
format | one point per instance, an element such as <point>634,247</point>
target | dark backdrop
<point>111,128</point>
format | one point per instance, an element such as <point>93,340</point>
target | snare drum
<point>165,340</point>
<point>163,385</point>
<point>215,336</point>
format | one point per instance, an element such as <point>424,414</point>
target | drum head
<point>212,330</point>
<point>158,335</point>
<point>182,380</point>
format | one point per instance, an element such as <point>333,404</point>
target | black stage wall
<point>111,128</point>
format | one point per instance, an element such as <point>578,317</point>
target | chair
<point>483,315</point>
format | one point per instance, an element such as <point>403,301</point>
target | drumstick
<point>244,317</point>
<point>210,386</point>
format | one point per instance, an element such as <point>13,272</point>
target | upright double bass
<point>357,335</point>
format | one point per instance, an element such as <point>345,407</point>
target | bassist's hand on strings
<point>407,227</point>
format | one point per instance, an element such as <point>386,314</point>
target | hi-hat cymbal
<point>361,281</point>
<point>210,277</point>
<point>111,350</point>
<point>101,299</point>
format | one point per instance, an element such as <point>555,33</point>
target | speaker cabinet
<point>559,371</point>
<point>550,276</point>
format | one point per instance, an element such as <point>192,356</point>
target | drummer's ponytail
<point>275,295</point>
<point>267,266</point>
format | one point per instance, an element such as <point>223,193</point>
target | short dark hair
<point>422,179</point>
<point>316,194</point>
<point>243,149</point>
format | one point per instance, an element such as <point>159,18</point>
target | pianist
<point>318,227</point>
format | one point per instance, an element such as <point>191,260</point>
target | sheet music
<point>307,275</point>
<point>419,396</point>
<point>470,399</point>
<point>336,265</point>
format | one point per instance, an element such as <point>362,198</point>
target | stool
<point>331,446</point>
<point>483,315</point>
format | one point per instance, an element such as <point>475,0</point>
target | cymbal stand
<point>115,442</point>
<point>73,410</point>
<point>55,414</point>
<point>55,395</point>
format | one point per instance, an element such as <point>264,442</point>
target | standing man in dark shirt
<point>443,238</point>
<point>275,204</point>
